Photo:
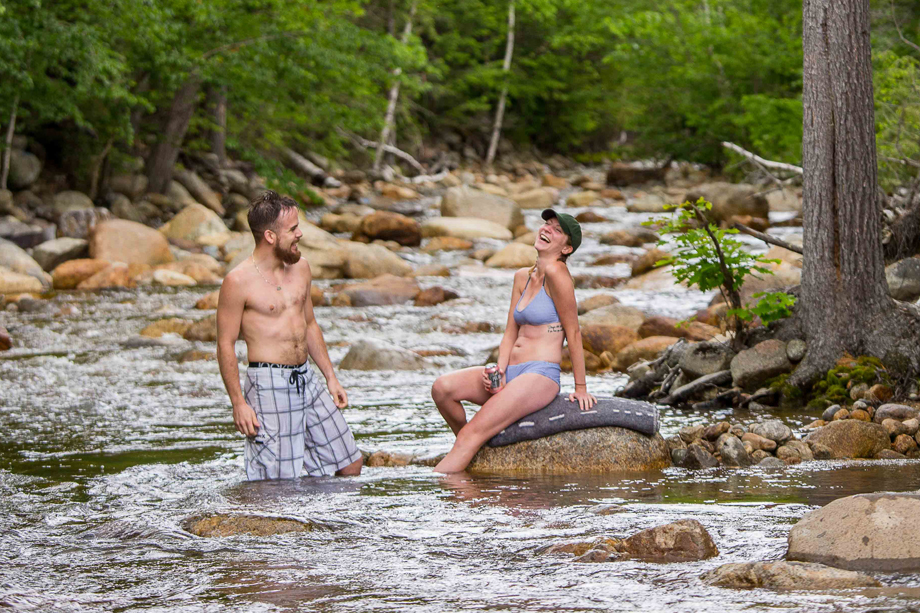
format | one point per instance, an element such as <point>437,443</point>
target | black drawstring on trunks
<point>297,378</point>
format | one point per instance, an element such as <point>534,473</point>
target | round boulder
<point>120,240</point>
<point>389,226</point>
<point>465,201</point>
<point>706,358</point>
<point>24,169</point>
<point>851,438</point>
<point>193,223</point>
<point>753,367</point>
<point>377,355</point>
<point>513,255</point>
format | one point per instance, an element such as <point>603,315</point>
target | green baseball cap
<point>569,226</point>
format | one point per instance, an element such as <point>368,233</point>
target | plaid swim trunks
<point>299,425</point>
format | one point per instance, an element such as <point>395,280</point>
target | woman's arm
<point>563,294</point>
<point>511,327</point>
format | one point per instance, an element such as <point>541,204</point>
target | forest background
<point>97,80</point>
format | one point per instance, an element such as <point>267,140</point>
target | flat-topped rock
<point>781,575</point>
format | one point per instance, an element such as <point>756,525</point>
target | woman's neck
<point>543,262</point>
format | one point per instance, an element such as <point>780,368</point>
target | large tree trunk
<point>217,104</point>
<point>394,94</point>
<point>163,158</point>
<point>506,68</point>
<point>844,304</point>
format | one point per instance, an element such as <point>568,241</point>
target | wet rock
<point>203,330</point>
<point>733,452</point>
<point>668,326</point>
<point>774,430</point>
<point>795,350</point>
<point>466,202</point>
<point>679,456</point>
<point>378,355</point>
<point>781,575</point>
<point>600,338</point>
<point>173,325</point>
<point>119,240</point>
<point>651,202</point>
<point>753,367</point>
<point>614,315</point>
<point>912,425</point>
<point>385,225</point>
<point>49,255</point>
<point>890,454</point>
<point>758,442</point>
<point>904,443</point>
<point>643,349</point>
<point>864,532</point>
<point>513,255</point>
<point>388,459</point>
<point>648,261</point>
<point>196,355</point>
<point>24,169</point>
<point>434,295</point>
<point>730,199</point>
<point>370,261</point>
<point>698,458</point>
<point>70,274</point>
<point>840,414</point>
<point>829,412</point>
<point>681,541</point>
<point>70,201</point>
<point>446,243</point>
<point>900,412</point>
<point>770,462</point>
<point>171,278</point>
<point>80,223</point>
<point>688,434</point>
<point>208,301</point>
<point>705,359</point>
<point>595,450</point>
<point>590,217</point>
<point>596,302</point>
<point>713,432</point>
<point>222,525</point>
<point>194,223</point>
<point>860,415</point>
<point>430,270</point>
<point>632,237</point>
<point>382,290</point>
<point>819,451</point>
<point>879,393</point>
<point>199,190</point>
<point>852,439</point>
<point>794,452</point>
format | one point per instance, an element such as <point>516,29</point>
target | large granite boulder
<point>781,575</point>
<point>753,367</point>
<point>903,279</point>
<point>469,228</point>
<point>513,255</point>
<point>24,169</point>
<point>194,222</point>
<point>14,258</point>
<point>120,240</point>
<point>12,282</point>
<point>380,291</point>
<point>614,315</point>
<point>378,355</point>
<point>72,273</point>
<point>595,450</point>
<point>852,438</point>
<point>465,201</point>
<point>369,261</point>
<point>706,358</point>
<point>389,226</point>
<point>874,532</point>
<point>729,199</point>
<point>50,254</point>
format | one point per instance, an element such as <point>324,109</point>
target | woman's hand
<point>487,383</point>
<point>583,398</point>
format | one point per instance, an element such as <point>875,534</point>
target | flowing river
<point>106,448</point>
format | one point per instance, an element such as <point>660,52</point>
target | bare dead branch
<point>772,240</point>
<point>761,161</point>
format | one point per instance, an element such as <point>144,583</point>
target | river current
<point>107,447</point>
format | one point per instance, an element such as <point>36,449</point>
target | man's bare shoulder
<point>302,269</point>
<point>237,279</point>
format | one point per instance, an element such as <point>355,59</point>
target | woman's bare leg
<point>525,394</point>
<point>450,389</point>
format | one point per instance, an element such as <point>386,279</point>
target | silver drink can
<point>495,377</point>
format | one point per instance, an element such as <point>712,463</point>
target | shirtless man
<point>288,418</point>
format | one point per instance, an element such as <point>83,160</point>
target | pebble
<point>829,412</point>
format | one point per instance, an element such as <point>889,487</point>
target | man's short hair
<point>265,210</point>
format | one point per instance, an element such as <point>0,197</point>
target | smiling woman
<point>542,316</point>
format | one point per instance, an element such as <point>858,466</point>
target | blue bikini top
<point>539,312</point>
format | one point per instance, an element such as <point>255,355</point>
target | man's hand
<point>245,419</point>
<point>339,397</point>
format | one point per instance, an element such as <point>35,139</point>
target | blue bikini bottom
<point>550,370</point>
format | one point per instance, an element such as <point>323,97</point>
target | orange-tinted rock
<point>600,338</point>
<point>667,326</point>
<point>434,295</point>
<point>204,330</point>
<point>120,240</point>
<point>648,260</point>
<point>644,349</point>
<point>5,341</point>
<point>208,301</point>
<point>70,274</point>
<point>115,275</point>
<point>386,225</point>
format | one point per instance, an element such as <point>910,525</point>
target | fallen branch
<point>370,144</point>
<point>767,238</point>
<point>685,391</point>
<point>432,178</point>
<point>761,161</point>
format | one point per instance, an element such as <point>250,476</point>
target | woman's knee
<point>440,389</point>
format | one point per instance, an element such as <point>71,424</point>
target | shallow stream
<point>106,448</point>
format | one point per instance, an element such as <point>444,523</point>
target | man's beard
<point>287,255</point>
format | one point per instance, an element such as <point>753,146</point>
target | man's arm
<point>229,316</point>
<point>316,347</point>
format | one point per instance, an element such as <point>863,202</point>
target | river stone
<point>730,199</point>
<point>116,274</point>
<point>513,255</point>
<point>596,302</point>
<point>73,272</point>
<point>433,296</point>
<point>795,350</point>
<point>465,201</point>
<point>12,282</point>
<point>199,190</point>
<point>600,338</point>
<point>5,341</point>
<point>875,532</point>
<point>771,462</point>
<point>24,169</point>
<point>773,429</point>
<point>14,258</point>
<point>903,279</point>
<point>539,198</point>
<point>203,330</point>
<point>70,201</point>
<point>50,254</point>
<point>733,452</point>
<point>900,412</point>
<point>80,223</point>
<point>753,367</point>
<point>582,199</point>
<point>680,541</point>
<point>698,458</point>
<point>193,223</point>
<point>446,243</point>
<point>658,325</point>
<point>894,427</point>
<point>648,261</point>
<point>705,359</point>
<point>370,261</point>
<point>173,325</point>
<point>614,315</point>
<point>469,228</point>
<point>132,186</point>
<point>595,450</point>
<point>781,575</point>
<point>172,278</point>
<point>850,438</point>
<point>643,349</point>
<point>829,412</point>
<point>372,354</point>
<point>22,234</point>
<point>630,237</point>
<point>389,226</point>
<point>382,290</point>
<point>119,240</point>
<point>890,454</point>
<point>256,525</point>
<point>904,444</point>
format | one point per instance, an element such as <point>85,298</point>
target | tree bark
<point>506,68</point>
<point>394,94</point>
<point>844,304</point>
<point>217,103</point>
<point>163,158</point>
<point>8,144</point>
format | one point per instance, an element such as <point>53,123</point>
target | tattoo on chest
<point>554,328</point>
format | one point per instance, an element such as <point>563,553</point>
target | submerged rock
<point>595,450</point>
<point>782,575</point>
<point>256,525</point>
<point>874,532</point>
<point>680,541</point>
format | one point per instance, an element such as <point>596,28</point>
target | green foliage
<point>772,306</point>
<point>834,387</point>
